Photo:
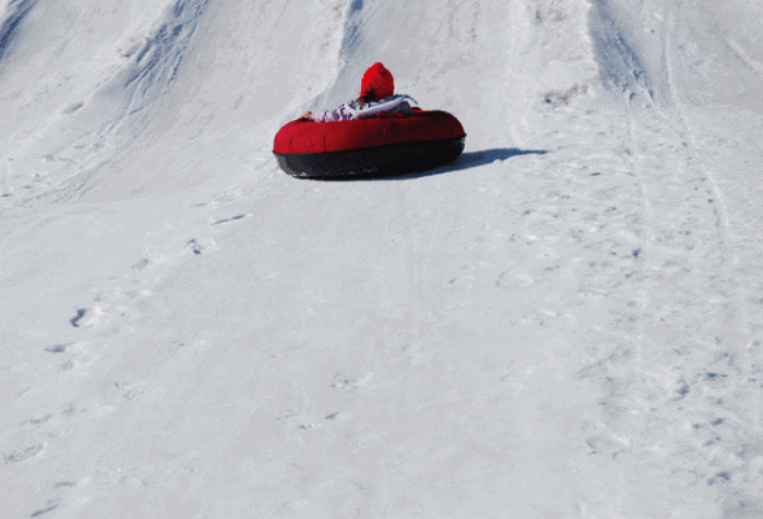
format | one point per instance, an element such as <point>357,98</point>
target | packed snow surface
<point>566,322</point>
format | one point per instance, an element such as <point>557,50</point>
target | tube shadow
<point>473,159</point>
<point>468,160</point>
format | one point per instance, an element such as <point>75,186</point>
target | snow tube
<point>386,144</point>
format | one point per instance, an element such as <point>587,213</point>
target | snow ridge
<point>17,10</point>
<point>104,126</point>
<point>149,76</point>
<point>621,67</point>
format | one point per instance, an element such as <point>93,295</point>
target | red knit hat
<point>377,83</point>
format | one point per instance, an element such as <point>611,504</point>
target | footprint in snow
<point>136,391</point>
<point>197,246</point>
<point>58,348</point>
<point>80,314</point>
<point>346,383</point>
<point>231,219</point>
<point>339,416</point>
<point>23,454</point>
<point>36,421</point>
<point>293,419</point>
<point>50,505</point>
<point>141,265</point>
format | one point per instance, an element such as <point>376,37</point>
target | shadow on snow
<point>468,160</point>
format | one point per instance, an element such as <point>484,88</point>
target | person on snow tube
<point>377,90</point>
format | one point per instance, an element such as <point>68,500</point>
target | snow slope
<point>565,322</point>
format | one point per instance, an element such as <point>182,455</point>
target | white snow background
<point>566,322</point>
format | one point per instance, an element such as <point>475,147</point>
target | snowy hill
<point>565,322</point>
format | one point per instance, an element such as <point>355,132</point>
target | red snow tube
<point>386,144</point>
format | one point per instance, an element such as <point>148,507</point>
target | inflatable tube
<point>386,144</point>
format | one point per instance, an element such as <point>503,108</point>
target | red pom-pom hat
<point>377,83</point>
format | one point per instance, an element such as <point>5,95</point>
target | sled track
<point>726,234</point>
<point>688,209</point>
<point>688,132</point>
